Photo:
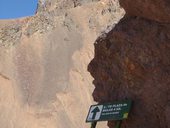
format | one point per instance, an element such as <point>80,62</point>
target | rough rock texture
<point>157,10</point>
<point>44,81</point>
<point>132,61</point>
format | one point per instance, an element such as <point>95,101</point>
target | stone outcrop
<point>157,10</point>
<point>132,61</point>
<point>44,81</point>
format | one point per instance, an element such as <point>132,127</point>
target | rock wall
<point>44,81</point>
<point>132,61</point>
<point>157,10</point>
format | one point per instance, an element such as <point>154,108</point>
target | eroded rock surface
<point>44,81</point>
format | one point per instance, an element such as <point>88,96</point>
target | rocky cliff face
<point>44,81</point>
<point>133,62</point>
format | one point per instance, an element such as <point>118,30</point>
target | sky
<point>10,9</point>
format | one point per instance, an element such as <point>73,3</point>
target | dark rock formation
<point>158,10</point>
<point>133,62</point>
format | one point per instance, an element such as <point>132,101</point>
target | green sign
<point>110,111</point>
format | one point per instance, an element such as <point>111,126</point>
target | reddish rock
<point>133,62</point>
<point>158,10</point>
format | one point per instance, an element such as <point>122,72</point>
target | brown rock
<point>133,62</point>
<point>158,10</point>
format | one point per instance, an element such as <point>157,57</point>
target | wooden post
<point>93,124</point>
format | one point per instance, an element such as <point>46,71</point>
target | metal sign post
<point>93,124</point>
<point>118,124</point>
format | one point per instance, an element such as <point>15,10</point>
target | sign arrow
<point>95,111</point>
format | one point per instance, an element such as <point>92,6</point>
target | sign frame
<point>117,111</point>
